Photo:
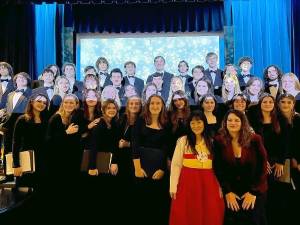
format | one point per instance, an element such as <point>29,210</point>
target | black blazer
<point>3,95</point>
<point>218,80</point>
<point>165,86</point>
<point>242,81</point>
<point>138,84</point>
<point>21,104</point>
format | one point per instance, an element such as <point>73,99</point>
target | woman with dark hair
<point>265,122</point>
<point>240,163</point>
<point>150,151</point>
<point>193,182</point>
<point>29,134</point>
<point>272,79</point>
<point>208,104</point>
<point>240,102</point>
<point>55,69</point>
<point>179,112</point>
<point>254,88</point>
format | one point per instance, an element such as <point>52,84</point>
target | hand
<point>220,192</point>
<point>93,123</point>
<point>114,169</point>
<point>278,172</point>
<point>72,129</point>
<point>140,173</point>
<point>2,113</point>
<point>231,200</point>
<point>93,172</point>
<point>269,168</point>
<point>249,201</point>
<point>123,143</point>
<point>18,172</point>
<point>158,174</point>
<point>173,195</point>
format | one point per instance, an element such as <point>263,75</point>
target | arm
<point>176,166</point>
<point>18,136</point>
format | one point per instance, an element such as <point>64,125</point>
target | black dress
<point>28,135</point>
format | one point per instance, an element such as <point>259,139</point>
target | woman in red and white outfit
<point>194,189</point>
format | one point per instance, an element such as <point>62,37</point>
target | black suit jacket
<point>3,95</point>
<point>138,84</point>
<point>165,86</point>
<point>218,80</point>
<point>242,82</point>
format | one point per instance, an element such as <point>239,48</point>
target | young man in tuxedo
<point>7,85</point>
<point>47,87</point>
<point>130,78</point>
<point>213,73</point>
<point>159,63</point>
<point>102,66</point>
<point>116,78</point>
<point>272,80</point>
<point>183,68</point>
<point>69,70</point>
<point>245,64</point>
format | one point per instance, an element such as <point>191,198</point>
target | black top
<point>28,136</point>
<point>295,153</point>
<point>104,139</point>
<point>180,131</point>
<point>213,128</point>
<point>150,138</point>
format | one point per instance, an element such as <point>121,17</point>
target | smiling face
<point>69,72</point>
<point>102,66</point>
<point>151,90</point>
<point>116,78</point>
<point>229,84</point>
<point>288,84</point>
<point>3,71</point>
<point>90,83</point>
<point>233,123</point>
<point>109,92</point>
<point>130,91</point>
<point>39,104</point>
<point>197,74</point>
<point>246,66</point>
<point>272,73</point>
<point>48,77</point>
<point>239,104</point>
<point>183,68</point>
<point>159,64</point>
<point>197,126</point>
<point>212,61</point>
<point>176,84</point>
<point>202,88</point>
<point>63,85</point>
<point>110,111</point>
<point>267,104</point>
<point>130,69</point>
<point>21,81</point>
<point>155,105</point>
<point>209,104</point>
<point>69,104</point>
<point>286,105</point>
<point>91,98</point>
<point>179,102</point>
<point>134,105</point>
<point>255,87</point>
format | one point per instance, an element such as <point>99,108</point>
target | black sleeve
<point>18,137</point>
<point>115,142</point>
<point>56,129</point>
<point>136,138</point>
<point>95,134</point>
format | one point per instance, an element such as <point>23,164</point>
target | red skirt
<point>198,200</point>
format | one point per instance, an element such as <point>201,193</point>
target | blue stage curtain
<point>45,18</point>
<point>262,30</point>
<point>16,42</point>
<point>181,17</point>
<point>296,36</point>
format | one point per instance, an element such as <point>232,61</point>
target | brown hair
<point>28,115</point>
<point>162,118</point>
<point>245,131</point>
<point>131,119</point>
<point>85,106</point>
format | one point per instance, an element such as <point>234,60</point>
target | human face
<point>151,90</point>
<point>197,126</point>
<point>134,105</point>
<point>63,85</point>
<point>179,102</point>
<point>202,88</point>
<point>155,106</point>
<point>272,73</point>
<point>39,104</point>
<point>102,66</point>
<point>233,123</point>
<point>69,72</point>
<point>212,61</point>
<point>255,87</point>
<point>267,104</point>
<point>246,66</point>
<point>130,91</point>
<point>91,99</point>
<point>48,77</point>
<point>158,81</point>
<point>229,84</point>
<point>90,83</point>
<point>286,105</point>
<point>69,104</point>
<point>110,111</point>
<point>231,70</point>
<point>130,69</point>
<point>3,71</point>
<point>116,78</point>
<point>288,84</point>
<point>176,84</point>
<point>109,92</point>
<point>159,64</point>
<point>239,104</point>
<point>197,74</point>
<point>183,68</point>
<point>209,105</point>
<point>21,81</point>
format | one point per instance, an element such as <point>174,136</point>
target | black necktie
<point>20,90</point>
<point>4,80</point>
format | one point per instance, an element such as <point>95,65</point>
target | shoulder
<point>256,138</point>
<point>55,118</point>
<point>21,120</point>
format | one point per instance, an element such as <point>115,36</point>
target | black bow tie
<point>159,73</point>
<point>212,71</point>
<point>101,73</point>
<point>20,90</point>
<point>246,75</point>
<point>47,88</point>
<point>130,76</point>
<point>272,85</point>
<point>5,80</point>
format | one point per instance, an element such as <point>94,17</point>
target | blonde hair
<point>62,112</point>
<point>237,89</point>
<point>294,77</point>
<point>57,80</point>
<point>171,91</point>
